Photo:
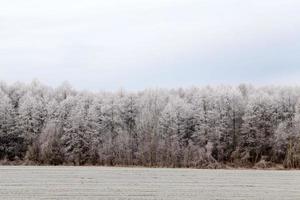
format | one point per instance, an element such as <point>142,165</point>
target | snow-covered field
<point>22,182</point>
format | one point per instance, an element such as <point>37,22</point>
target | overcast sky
<point>136,44</point>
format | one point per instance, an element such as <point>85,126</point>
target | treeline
<point>241,126</point>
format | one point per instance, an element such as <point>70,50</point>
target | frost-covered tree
<point>51,147</point>
<point>96,127</point>
<point>230,109</point>
<point>111,126</point>
<point>76,138</point>
<point>32,114</point>
<point>194,127</point>
<point>11,142</point>
<point>151,105</point>
<point>172,128</point>
<point>128,110</point>
<point>287,141</point>
<point>258,127</point>
<point>206,115</point>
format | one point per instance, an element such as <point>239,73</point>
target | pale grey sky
<point>136,44</point>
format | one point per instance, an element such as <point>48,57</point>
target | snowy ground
<point>107,183</point>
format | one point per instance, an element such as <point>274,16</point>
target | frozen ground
<point>107,183</point>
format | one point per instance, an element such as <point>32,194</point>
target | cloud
<point>137,44</point>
